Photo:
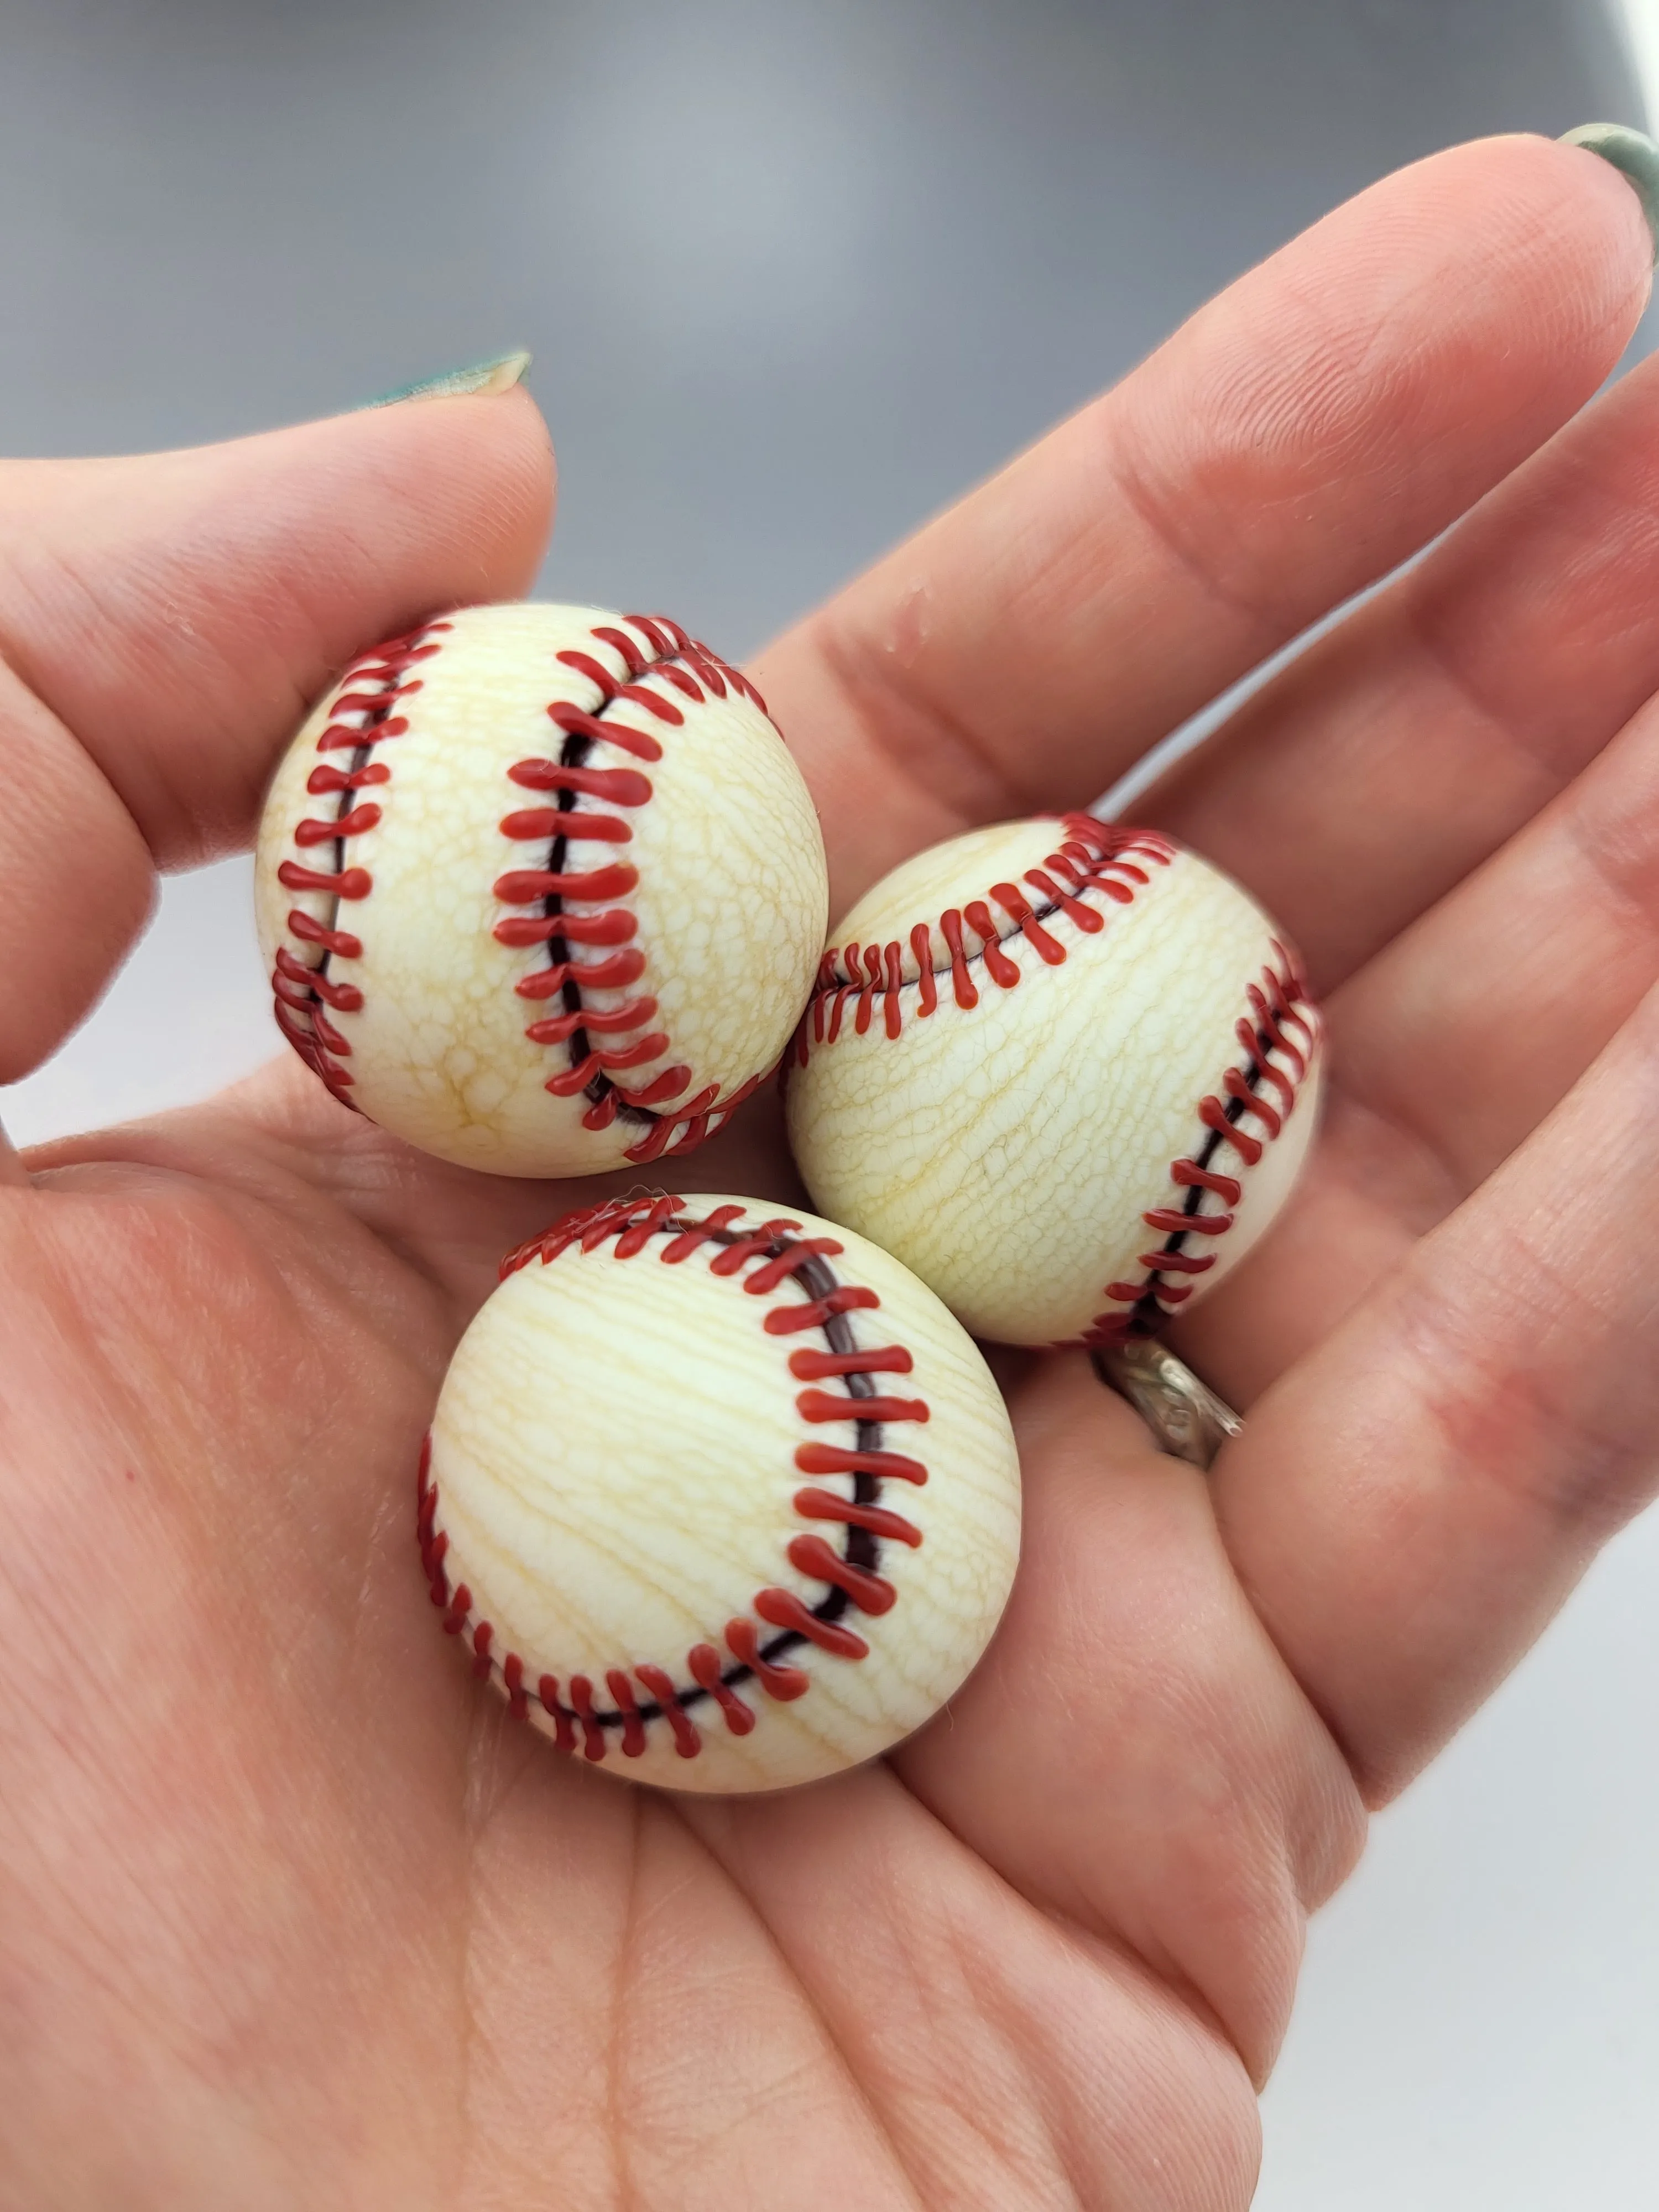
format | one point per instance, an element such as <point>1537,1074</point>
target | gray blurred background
<point>794,275</point>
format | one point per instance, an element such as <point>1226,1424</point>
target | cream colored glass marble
<point>721,1500</point>
<point>1066,1072</point>
<point>541,890</point>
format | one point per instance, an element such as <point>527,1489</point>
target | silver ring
<point>1185,1415</point>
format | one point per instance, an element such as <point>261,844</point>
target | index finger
<point>164,620</point>
<point>1301,435</point>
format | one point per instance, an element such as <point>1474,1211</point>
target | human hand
<point>292,1913</point>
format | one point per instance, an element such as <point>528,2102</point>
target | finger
<point>1407,744</point>
<point>1303,434</point>
<point>1410,1505</point>
<point>1512,985</point>
<point>165,621</point>
<point>1447,1049</point>
<point>1134,1754</point>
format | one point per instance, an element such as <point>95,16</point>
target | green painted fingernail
<point>498,374</point>
<point>1634,154</point>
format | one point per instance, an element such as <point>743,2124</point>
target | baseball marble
<point>717,1500</point>
<point>1065,1072</point>
<point>541,890</point>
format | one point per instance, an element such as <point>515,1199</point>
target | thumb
<point>165,621</point>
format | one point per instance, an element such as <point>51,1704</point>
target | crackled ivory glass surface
<point>1026,1145</point>
<point>692,947</point>
<point>647,1462</point>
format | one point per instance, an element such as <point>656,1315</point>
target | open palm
<point>290,1913</point>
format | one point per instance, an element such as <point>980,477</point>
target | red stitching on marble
<point>301,987</point>
<point>1092,856</point>
<point>602,1044</point>
<point>762,1258</point>
<point>1282,1020</point>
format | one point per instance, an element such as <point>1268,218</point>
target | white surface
<point>1641,26</point>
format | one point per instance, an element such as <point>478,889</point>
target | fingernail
<point>1634,154</point>
<point>498,374</point>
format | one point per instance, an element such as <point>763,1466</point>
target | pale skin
<point>290,1914</point>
